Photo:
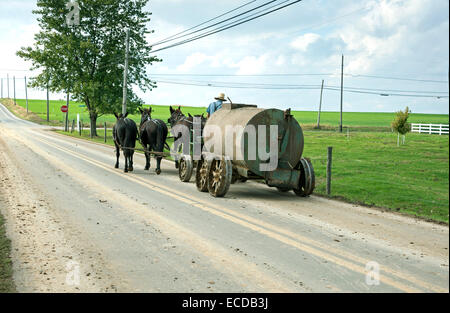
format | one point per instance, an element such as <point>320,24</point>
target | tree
<point>400,124</point>
<point>84,57</point>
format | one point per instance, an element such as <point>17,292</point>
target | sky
<point>302,44</point>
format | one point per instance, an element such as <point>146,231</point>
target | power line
<point>399,78</point>
<point>300,87</point>
<point>173,37</point>
<point>295,86</point>
<point>226,27</point>
<point>210,20</point>
<point>303,74</point>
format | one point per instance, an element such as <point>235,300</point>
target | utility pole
<point>320,106</point>
<point>26,93</point>
<point>125,72</point>
<point>14,85</point>
<point>342,90</point>
<point>48,104</point>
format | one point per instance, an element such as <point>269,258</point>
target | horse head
<point>202,119</point>
<point>120,116</point>
<point>146,114</point>
<point>175,116</point>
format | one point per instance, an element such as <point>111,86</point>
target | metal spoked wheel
<point>219,177</point>
<point>185,168</point>
<point>307,179</point>
<point>201,175</point>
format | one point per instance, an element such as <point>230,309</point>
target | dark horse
<point>153,135</point>
<point>125,135</point>
<point>178,118</point>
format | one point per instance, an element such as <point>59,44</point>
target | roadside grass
<point>6,272</point>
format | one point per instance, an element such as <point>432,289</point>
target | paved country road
<point>78,224</point>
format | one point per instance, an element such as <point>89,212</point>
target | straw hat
<point>221,97</point>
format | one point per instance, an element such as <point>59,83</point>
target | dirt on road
<point>47,253</point>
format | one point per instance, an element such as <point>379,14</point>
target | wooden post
<point>26,93</point>
<point>73,126</point>
<point>79,128</point>
<point>105,131</point>
<point>329,162</point>
<point>48,105</point>
<point>320,106</point>
<point>14,88</point>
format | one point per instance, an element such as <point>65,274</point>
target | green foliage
<point>400,123</point>
<point>85,59</point>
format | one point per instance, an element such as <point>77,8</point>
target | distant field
<point>352,119</point>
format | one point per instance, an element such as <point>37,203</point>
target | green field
<point>305,118</point>
<point>368,167</point>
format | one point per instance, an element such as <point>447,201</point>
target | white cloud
<point>301,43</point>
<point>192,61</point>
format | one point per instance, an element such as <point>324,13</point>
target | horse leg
<point>126,161</point>
<point>159,148</point>
<point>130,165</point>
<point>147,158</point>
<point>117,155</point>
<point>158,165</point>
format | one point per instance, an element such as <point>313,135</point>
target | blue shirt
<point>214,106</point>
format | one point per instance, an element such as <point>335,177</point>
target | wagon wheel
<point>185,168</point>
<point>282,189</point>
<point>219,177</point>
<point>201,175</point>
<point>307,181</point>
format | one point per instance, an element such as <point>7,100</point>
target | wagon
<point>251,132</point>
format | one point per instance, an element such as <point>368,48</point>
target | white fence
<point>441,129</point>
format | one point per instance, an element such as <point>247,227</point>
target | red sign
<point>64,108</point>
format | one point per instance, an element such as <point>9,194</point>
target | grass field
<point>306,118</point>
<point>368,167</point>
<point>6,280</point>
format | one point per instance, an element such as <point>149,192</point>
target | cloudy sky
<point>404,40</point>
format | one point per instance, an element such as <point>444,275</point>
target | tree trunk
<point>93,117</point>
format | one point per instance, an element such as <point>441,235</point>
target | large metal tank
<point>234,116</point>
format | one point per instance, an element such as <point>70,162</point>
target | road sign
<point>64,109</point>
